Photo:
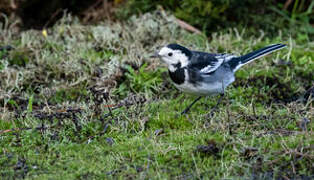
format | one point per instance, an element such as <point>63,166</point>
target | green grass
<point>55,90</point>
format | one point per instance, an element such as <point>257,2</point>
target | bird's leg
<point>207,107</point>
<point>218,102</point>
<point>186,110</point>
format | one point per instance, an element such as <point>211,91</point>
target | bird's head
<point>174,55</point>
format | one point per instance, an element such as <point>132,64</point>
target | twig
<point>109,108</point>
<point>52,17</point>
<point>94,5</point>
<point>13,5</point>
<point>187,26</point>
<point>287,3</point>
<point>22,129</point>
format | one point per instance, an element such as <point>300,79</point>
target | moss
<point>19,58</point>
<point>64,95</point>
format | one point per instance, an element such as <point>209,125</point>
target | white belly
<point>201,89</point>
<point>210,86</point>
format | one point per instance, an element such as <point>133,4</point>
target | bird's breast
<point>186,82</point>
<point>177,76</point>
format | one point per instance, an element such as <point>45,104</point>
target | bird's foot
<point>212,112</point>
<point>185,111</point>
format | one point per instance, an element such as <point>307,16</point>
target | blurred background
<point>289,16</point>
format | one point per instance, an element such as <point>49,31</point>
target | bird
<point>205,74</point>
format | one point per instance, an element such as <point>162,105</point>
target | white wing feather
<point>220,59</point>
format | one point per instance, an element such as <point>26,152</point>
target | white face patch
<point>172,57</point>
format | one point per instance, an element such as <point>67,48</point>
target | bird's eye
<point>169,54</point>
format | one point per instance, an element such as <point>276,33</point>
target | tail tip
<point>281,45</point>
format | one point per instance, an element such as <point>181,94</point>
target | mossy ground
<point>56,88</point>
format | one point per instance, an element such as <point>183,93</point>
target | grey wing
<point>207,63</point>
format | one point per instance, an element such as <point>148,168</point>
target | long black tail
<point>236,63</point>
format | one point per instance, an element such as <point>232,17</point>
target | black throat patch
<point>178,75</point>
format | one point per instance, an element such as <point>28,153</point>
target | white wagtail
<point>205,74</point>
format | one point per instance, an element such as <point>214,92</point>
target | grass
<point>56,90</point>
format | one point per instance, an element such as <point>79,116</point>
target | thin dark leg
<point>186,110</point>
<point>218,102</point>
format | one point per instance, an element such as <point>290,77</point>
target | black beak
<point>155,55</point>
